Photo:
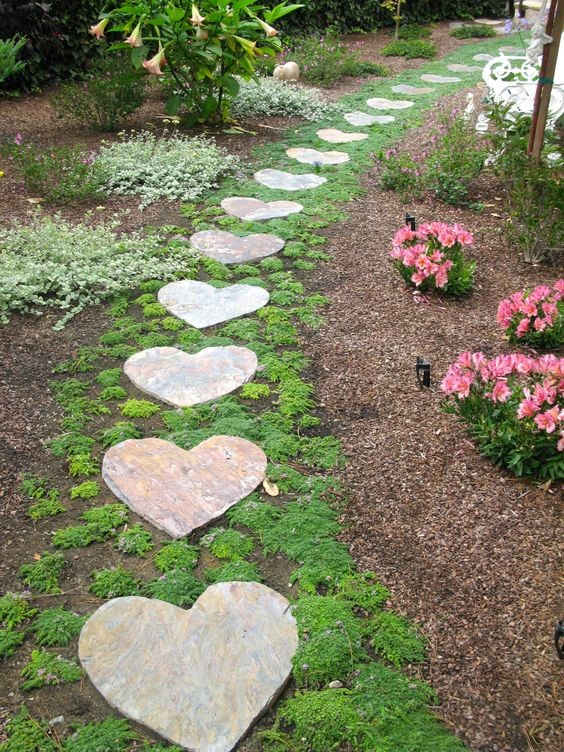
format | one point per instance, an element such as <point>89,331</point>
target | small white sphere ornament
<point>287,72</point>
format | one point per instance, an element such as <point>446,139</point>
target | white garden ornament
<point>513,79</point>
<point>287,72</point>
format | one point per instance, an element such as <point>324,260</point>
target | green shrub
<point>267,97</point>
<point>43,575</point>
<point>87,490</point>
<point>238,571</point>
<point>10,641</point>
<point>47,669</point>
<point>134,408</point>
<point>176,554</point>
<point>120,431</point>
<point>9,51</point>
<point>109,93</point>
<point>410,49</point>
<point>53,263</point>
<point>176,586</point>
<point>59,175</point>
<point>14,609</point>
<point>25,734</point>
<point>227,544</point>
<point>175,168</point>
<point>414,31</point>
<point>325,59</point>
<point>396,639</point>
<point>473,31</point>
<point>57,626</point>
<point>110,735</point>
<point>134,540</point>
<point>113,583</point>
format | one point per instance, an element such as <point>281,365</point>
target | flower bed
<point>431,257</point>
<point>534,317</point>
<point>513,406</point>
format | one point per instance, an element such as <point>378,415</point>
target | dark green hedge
<point>58,45</point>
<point>366,15</point>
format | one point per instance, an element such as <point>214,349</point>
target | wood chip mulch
<point>468,551</point>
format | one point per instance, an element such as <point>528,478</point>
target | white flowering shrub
<point>270,97</point>
<point>175,167</point>
<point>52,263</point>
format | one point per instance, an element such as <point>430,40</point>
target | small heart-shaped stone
<point>179,491</point>
<point>203,305</point>
<point>434,79</point>
<point>335,136</point>
<point>312,156</point>
<point>199,678</point>
<point>408,89</point>
<point>180,379</point>
<point>381,103</point>
<point>252,209</point>
<point>233,249</point>
<point>363,118</point>
<point>285,181</point>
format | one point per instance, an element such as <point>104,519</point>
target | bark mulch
<point>468,551</point>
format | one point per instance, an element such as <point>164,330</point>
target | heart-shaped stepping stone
<point>179,491</point>
<point>381,103</point>
<point>199,678</point>
<point>461,68</point>
<point>408,89</point>
<point>252,209</point>
<point>362,119</point>
<point>312,156</point>
<point>335,136</point>
<point>233,249</point>
<point>434,79</point>
<point>203,305</point>
<point>285,181</point>
<point>483,57</point>
<point>180,379</point>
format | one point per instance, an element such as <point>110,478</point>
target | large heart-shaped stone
<point>381,103</point>
<point>252,209</point>
<point>362,119</point>
<point>313,156</point>
<point>336,136</point>
<point>180,379</point>
<point>199,678</point>
<point>433,78</point>
<point>233,249</point>
<point>203,305</point>
<point>285,181</point>
<point>179,491</point>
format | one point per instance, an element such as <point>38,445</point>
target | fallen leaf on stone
<point>270,488</point>
<point>37,557</point>
<point>35,200</point>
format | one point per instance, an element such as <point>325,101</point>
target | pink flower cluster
<point>424,250</point>
<point>540,397</point>
<point>531,312</point>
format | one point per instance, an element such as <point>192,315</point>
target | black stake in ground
<point>423,371</point>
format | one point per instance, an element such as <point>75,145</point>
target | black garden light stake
<point>410,220</point>
<point>423,371</point>
<point>559,638</point>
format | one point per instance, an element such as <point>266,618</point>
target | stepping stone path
<point>182,380</point>
<point>434,79</point>
<point>483,57</point>
<point>199,678</point>
<point>335,136</point>
<point>203,305</point>
<point>461,68</point>
<point>233,249</point>
<point>252,209</point>
<point>490,21</point>
<point>179,491</point>
<point>312,156</point>
<point>512,50</point>
<point>381,103</point>
<point>363,118</point>
<point>285,181</point>
<point>408,89</point>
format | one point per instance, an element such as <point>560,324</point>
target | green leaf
<point>231,85</point>
<point>173,104</point>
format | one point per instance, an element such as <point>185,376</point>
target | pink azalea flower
<point>527,409</point>
<point>522,328</point>
<point>560,445</point>
<point>547,420</point>
<point>501,392</point>
<point>18,139</point>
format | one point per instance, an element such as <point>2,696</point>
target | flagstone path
<point>335,136</point>
<point>381,103</point>
<point>182,380</point>
<point>252,209</point>
<point>483,57</point>
<point>233,249</point>
<point>202,305</point>
<point>460,68</point>
<point>362,119</point>
<point>286,181</point>
<point>199,678</point>
<point>179,491</point>
<point>313,156</point>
